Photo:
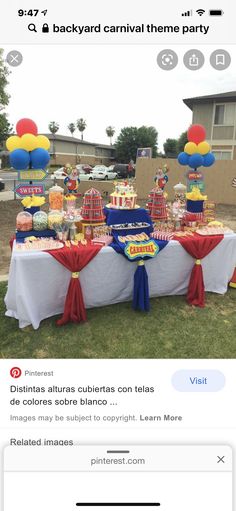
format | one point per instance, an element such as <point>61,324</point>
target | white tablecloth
<point>38,284</point>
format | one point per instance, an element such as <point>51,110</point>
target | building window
<point>225,115</point>
<point>222,155</point>
<point>219,114</point>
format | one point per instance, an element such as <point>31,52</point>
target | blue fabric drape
<point>141,289</point>
<point>123,216</point>
<point>114,217</point>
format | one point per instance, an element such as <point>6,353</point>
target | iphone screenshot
<point>117,255</point>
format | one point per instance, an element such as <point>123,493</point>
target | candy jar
<point>73,232</point>
<point>24,221</point>
<point>70,204</point>
<point>40,221</point>
<point>56,197</point>
<point>55,219</point>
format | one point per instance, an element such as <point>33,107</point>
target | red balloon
<point>196,133</point>
<point>26,126</point>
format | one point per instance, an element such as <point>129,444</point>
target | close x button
<point>220,459</point>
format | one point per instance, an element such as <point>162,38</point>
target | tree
<point>53,127</point>
<point>182,140</point>
<point>81,125</point>
<point>5,127</point>
<point>170,147</point>
<point>110,131</point>
<point>131,138</point>
<point>71,127</point>
<point>4,72</point>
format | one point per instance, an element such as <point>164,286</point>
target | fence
<point>218,178</point>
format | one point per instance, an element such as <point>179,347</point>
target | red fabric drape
<point>198,247</point>
<point>74,259</point>
<point>11,241</point>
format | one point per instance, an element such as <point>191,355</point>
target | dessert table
<point>38,284</point>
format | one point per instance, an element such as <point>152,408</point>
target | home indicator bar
<point>117,504</point>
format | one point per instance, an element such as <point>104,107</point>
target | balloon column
<point>28,150</point>
<point>197,151</point>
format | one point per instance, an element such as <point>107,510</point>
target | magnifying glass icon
<point>32,27</point>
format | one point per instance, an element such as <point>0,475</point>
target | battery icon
<point>216,12</point>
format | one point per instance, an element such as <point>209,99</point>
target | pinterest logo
<point>15,372</point>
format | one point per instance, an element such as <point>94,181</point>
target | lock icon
<point>45,28</point>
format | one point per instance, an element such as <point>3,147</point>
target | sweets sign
<point>23,190</point>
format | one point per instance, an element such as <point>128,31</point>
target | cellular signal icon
<point>187,13</point>
<point>200,12</point>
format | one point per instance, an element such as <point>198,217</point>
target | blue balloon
<point>39,158</point>
<point>195,161</point>
<point>166,178</point>
<point>19,159</point>
<point>209,159</point>
<point>183,158</point>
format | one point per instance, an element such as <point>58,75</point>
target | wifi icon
<point>200,12</point>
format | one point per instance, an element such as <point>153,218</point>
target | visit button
<point>198,380</point>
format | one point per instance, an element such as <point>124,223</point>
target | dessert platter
<point>133,225</point>
<point>39,244</point>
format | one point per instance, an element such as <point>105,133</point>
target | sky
<point>113,85</point>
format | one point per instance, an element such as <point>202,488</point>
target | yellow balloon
<point>28,142</point>
<point>190,148</point>
<point>13,143</point>
<point>43,142</point>
<point>203,148</point>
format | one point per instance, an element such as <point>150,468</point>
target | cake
<point>124,196</point>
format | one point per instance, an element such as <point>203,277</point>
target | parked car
<point>122,170</point>
<point>2,185</point>
<point>85,177</point>
<point>84,168</point>
<point>101,173</point>
<point>59,174</point>
<point>104,167</point>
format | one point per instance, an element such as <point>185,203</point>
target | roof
<point>224,96</point>
<point>65,138</point>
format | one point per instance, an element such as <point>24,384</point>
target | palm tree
<point>81,125</point>
<point>110,131</point>
<point>53,127</point>
<point>71,127</point>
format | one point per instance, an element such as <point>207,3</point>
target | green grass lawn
<point>172,329</point>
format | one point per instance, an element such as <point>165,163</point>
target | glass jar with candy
<point>56,197</point>
<point>24,221</point>
<point>40,221</point>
